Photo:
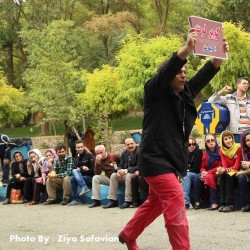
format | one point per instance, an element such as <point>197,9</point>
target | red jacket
<point>231,163</point>
<point>211,177</point>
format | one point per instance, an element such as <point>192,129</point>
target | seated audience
<point>105,162</point>
<point>20,173</point>
<point>207,177</point>
<point>83,172</point>
<point>231,156</point>
<point>126,170</point>
<point>244,173</point>
<point>35,159</point>
<point>194,164</point>
<point>45,167</point>
<point>60,177</point>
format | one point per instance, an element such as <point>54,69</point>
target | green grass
<point>127,123</point>
<point>123,124</point>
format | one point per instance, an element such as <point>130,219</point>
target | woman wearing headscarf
<point>231,156</point>
<point>20,174</point>
<point>244,173</point>
<point>207,177</point>
<point>44,166</point>
<point>194,164</point>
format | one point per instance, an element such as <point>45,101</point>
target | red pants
<point>165,196</point>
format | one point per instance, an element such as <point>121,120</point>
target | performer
<point>169,115</point>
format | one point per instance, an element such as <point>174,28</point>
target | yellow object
<point>232,172</point>
<point>215,120</point>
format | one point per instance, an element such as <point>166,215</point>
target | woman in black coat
<point>194,164</point>
<point>20,173</point>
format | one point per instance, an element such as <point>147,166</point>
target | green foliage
<point>12,101</point>
<point>101,95</point>
<point>138,60</point>
<point>59,42</point>
<point>53,76</point>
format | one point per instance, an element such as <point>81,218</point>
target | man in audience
<point>106,163</point>
<point>126,170</point>
<point>83,172</point>
<point>60,177</point>
<point>238,104</point>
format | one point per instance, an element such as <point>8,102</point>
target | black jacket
<point>129,162</point>
<point>169,119</point>
<point>85,159</point>
<point>194,161</point>
<point>15,169</point>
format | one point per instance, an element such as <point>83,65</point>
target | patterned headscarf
<point>53,152</point>
<point>229,152</point>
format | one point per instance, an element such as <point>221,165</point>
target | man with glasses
<point>238,105</point>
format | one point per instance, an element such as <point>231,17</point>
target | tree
<point>138,60</point>
<point>12,108</point>
<point>54,77</point>
<point>101,98</point>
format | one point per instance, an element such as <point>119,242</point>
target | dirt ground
<point>79,227</point>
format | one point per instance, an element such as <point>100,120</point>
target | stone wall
<point>46,142</point>
<point>117,141</point>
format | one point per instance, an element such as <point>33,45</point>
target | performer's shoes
<point>131,244</point>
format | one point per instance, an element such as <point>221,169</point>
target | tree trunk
<point>10,65</point>
<point>44,129</point>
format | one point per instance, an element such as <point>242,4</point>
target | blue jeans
<point>187,182</point>
<point>78,179</point>
<point>6,172</point>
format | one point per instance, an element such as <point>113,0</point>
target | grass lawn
<point>123,124</point>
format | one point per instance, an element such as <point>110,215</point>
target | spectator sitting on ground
<point>46,166</point>
<point>35,161</point>
<point>211,160</point>
<point>244,173</point>
<point>105,162</point>
<point>20,172</point>
<point>126,170</point>
<point>194,164</point>
<point>60,177</point>
<point>231,156</point>
<point>83,172</point>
